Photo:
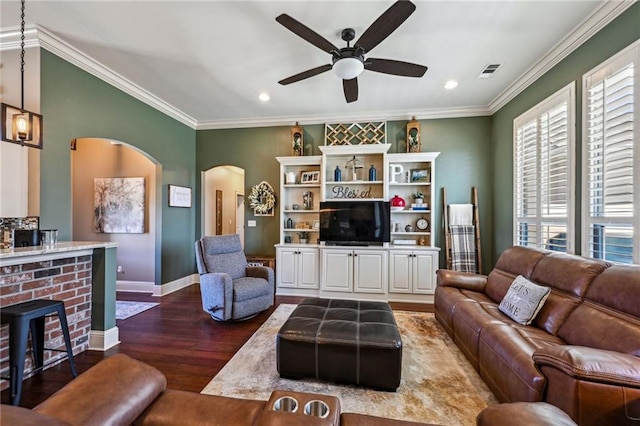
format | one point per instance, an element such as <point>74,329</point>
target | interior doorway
<point>240,217</point>
<point>129,176</point>
<point>223,201</point>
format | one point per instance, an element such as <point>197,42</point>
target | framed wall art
<point>119,205</point>
<point>179,196</point>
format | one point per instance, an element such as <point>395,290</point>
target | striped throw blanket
<point>463,248</point>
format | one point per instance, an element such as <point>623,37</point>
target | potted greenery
<point>304,236</point>
<point>418,197</point>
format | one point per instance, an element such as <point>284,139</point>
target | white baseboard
<point>135,286</point>
<point>170,287</point>
<point>103,340</point>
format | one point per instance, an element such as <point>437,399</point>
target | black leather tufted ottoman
<point>344,341</point>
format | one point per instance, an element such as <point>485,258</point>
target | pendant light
<point>19,125</point>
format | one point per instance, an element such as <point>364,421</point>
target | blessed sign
<point>341,191</point>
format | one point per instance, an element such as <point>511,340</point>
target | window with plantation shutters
<point>611,163</point>
<point>543,179</point>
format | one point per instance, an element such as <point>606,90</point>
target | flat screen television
<point>354,222</point>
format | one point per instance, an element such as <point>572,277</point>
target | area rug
<point>125,310</point>
<point>438,384</point>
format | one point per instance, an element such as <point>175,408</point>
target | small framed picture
<point>316,225</point>
<point>310,177</point>
<point>179,196</point>
<point>419,175</point>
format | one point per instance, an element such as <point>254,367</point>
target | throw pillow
<point>523,300</point>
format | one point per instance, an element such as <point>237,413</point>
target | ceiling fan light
<point>348,68</point>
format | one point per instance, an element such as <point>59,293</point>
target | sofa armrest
<point>113,392</point>
<point>216,289</point>
<point>263,272</point>
<point>464,280</point>
<point>591,364</point>
<point>525,414</point>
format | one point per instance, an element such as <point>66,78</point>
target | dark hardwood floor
<point>176,337</point>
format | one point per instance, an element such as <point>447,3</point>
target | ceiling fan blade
<point>306,33</point>
<point>387,23</point>
<point>306,74</point>
<point>389,66</point>
<point>350,89</point>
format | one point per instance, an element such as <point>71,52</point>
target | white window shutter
<point>543,177</point>
<point>612,161</point>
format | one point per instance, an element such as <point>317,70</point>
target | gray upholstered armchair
<point>230,289</point>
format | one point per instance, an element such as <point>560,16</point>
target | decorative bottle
<point>372,173</point>
<point>337,174</point>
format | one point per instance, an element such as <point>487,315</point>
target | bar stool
<point>21,318</point>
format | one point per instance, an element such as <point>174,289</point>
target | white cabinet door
<point>337,270</point>
<point>424,268</point>
<point>297,267</point>
<point>400,271</point>
<point>308,270</point>
<point>287,269</point>
<point>370,271</point>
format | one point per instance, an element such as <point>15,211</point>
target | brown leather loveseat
<point>581,353</point>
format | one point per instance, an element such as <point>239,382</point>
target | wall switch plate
<point>251,224</point>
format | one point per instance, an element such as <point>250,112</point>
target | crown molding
<point>36,35</point>
<point>342,118</point>
<point>10,39</point>
<point>599,18</point>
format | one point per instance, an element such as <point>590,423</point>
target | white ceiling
<point>206,61</point>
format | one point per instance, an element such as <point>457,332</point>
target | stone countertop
<point>60,247</point>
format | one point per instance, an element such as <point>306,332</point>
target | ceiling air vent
<point>489,70</point>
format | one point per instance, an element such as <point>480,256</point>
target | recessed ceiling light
<point>451,84</point>
<point>264,97</point>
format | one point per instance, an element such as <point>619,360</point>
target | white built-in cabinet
<point>298,267</point>
<point>354,270</point>
<point>403,270</point>
<point>412,271</point>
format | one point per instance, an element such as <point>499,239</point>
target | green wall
<point>620,33</point>
<point>464,162</point>
<point>76,104</point>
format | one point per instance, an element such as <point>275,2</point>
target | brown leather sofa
<point>123,391</point>
<point>582,351</point>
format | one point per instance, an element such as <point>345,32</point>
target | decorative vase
<point>397,201</point>
<point>290,177</point>
<point>303,241</point>
<point>307,200</point>
<point>419,201</point>
<point>337,174</point>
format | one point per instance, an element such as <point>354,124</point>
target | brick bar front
<point>67,279</point>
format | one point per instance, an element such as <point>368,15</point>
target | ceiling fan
<point>348,62</point>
